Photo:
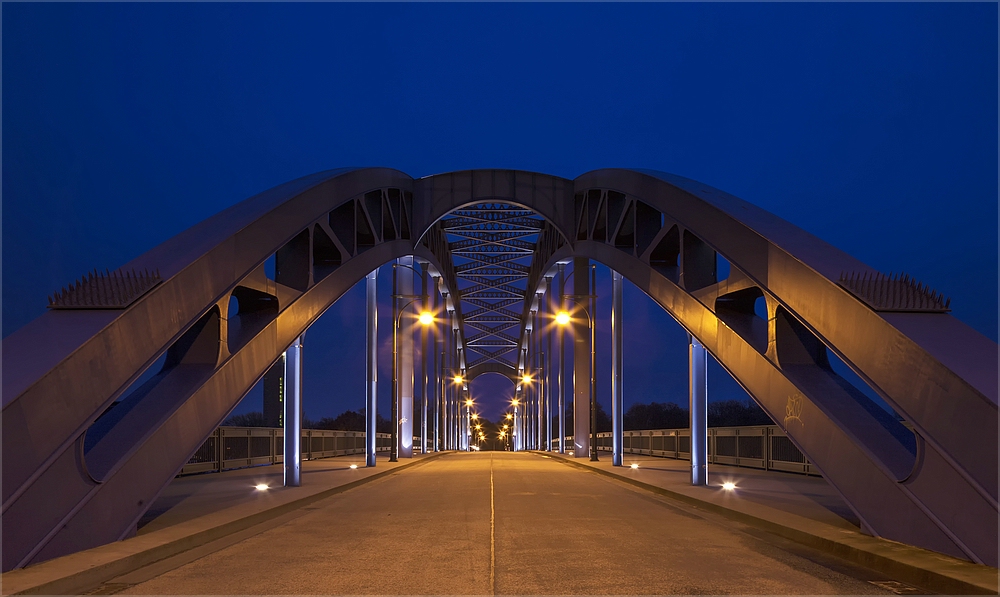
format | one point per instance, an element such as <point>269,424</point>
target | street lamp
<point>563,318</point>
<point>515,432</point>
<point>425,318</point>
<point>468,417</point>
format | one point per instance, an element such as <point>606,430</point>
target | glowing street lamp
<point>468,415</point>
<point>515,433</point>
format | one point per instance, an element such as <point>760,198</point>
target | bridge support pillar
<point>581,358</point>
<point>698,378</point>
<point>617,410</point>
<point>561,363</point>
<point>425,306</point>
<point>293,414</point>
<point>547,360</point>
<point>405,379</point>
<point>436,340</point>
<point>371,357</point>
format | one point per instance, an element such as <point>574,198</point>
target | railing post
<point>219,451</point>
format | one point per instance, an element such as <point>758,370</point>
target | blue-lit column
<point>424,381</point>
<point>293,414</point>
<point>560,362</point>
<point>582,373</point>
<point>371,358</point>
<point>698,376</point>
<point>405,382</point>
<point>617,410</point>
<point>438,366</point>
<point>547,360</point>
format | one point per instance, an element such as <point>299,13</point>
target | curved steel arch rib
<point>935,488</point>
<point>661,231</point>
<point>67,488</point>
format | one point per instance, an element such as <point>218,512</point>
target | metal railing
<point>240,447</point>
<point>762,447</point>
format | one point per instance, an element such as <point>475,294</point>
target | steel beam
<point>581,358</point>
<point>406,319</point>
<point>561,362</point>
<point>425,306</point>
<point>293,415</point>
<point>617,366</point>
<point>371,362</point>
<point>698,405</point>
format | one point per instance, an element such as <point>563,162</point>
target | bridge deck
<point>557,530</point>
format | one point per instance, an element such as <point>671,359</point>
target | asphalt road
<point>501,523</point>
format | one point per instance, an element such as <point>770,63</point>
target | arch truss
<point>79,471</point>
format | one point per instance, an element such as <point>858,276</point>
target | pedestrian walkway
<point>199,509</point>
<point>804,509</point>
<point>803,495</point>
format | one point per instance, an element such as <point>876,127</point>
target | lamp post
<point>455,412</point>
<point>425,318</point>
<point>515,431</point>
<point>468,428</point>
<point>563,318</point>
<point>526,413</point>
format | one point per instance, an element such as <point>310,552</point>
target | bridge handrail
<point>241,447</point>
<point>759,446</point>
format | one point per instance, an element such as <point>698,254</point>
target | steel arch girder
<point>111,510</point>
<point>202,265</point>
<point>952,366</point>
<point>774,262</point>
<point>199,267</point>
<point>886,508</point>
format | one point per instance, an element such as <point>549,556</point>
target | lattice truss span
<point>492,245</point>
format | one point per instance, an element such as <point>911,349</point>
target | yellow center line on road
<point>493,553</point>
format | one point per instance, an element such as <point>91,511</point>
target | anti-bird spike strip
<point>897,292</point>
<point>107,290</point>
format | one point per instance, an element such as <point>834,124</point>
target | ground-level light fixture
<point>729,486</point>
<point>354,466</point>
<point>635,465</point>
<point>261,487</point>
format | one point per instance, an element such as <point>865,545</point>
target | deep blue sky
<point>873,126</point>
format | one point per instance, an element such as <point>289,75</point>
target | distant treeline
<point>655,415</point>
<point>667,415</point>
<point>346,421</point>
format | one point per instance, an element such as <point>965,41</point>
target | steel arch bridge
<point>492,239</point>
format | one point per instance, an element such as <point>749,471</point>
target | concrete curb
<point>921,567</point>
<point>71,574</point>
